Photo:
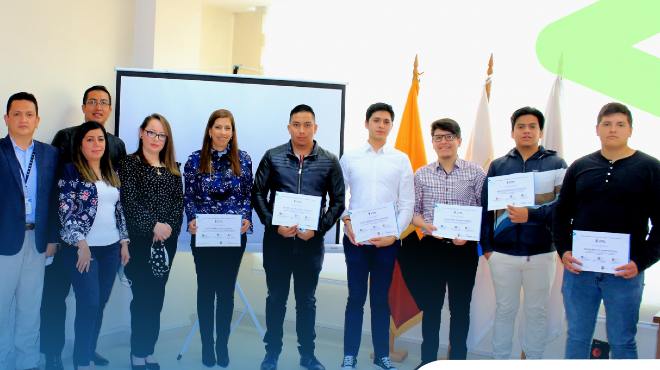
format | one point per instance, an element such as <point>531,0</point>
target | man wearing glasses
<point>447,264</point>
<point>97,106</point>
<point>517,241</point>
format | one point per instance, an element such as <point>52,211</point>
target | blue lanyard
<point>26,176</point>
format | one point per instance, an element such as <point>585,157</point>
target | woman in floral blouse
<point>152,196</point>
<point>94,227</point>
<point>218,180</point>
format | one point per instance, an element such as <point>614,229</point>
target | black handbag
<point>159,260</point>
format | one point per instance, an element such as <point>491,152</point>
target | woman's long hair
<point>108,175</point>
<point>166,155</point>
<point>207,144</point>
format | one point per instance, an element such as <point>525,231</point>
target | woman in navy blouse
<point>152,196</point>
<point>94,227</point>
<point>218,180</point>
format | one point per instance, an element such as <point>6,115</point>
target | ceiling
<point>238,5</point>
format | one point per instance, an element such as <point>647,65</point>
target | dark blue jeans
<point>582,296</point>
<point>92,291</point>
<point>362,261</point>
<point>303,260</point>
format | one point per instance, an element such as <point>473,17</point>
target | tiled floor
<point>245,349</point>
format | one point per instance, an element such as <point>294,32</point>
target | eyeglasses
<point>93,102</point>
<point>448,138</point>
<point>153,134</point>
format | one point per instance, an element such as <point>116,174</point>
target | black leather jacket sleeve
<point>260,190</point>
<point>336,197</point>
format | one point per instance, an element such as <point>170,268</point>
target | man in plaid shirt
<point>448,263</point>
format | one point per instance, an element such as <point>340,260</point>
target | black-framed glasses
<point>158,135</point>
<point>93,102</point>
<point>448,137</point>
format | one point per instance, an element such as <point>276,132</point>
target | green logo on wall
<point>597,45</point>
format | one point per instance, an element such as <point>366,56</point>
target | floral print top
<point>220,192</point>
<point>78,200</point>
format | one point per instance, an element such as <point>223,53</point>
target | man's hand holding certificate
<point>296,209</point>
<point>457,222</point>
<point>374,222</point>
<point>601,252</point>
<point>511,190</point>
<point>218,230</point>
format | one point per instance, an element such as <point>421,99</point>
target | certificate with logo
<point>601,252</point>
<point>374,222</point>
<point>296,209</point>
<point>457,222</point>
<point>516,190</point>
<point>218,230</point>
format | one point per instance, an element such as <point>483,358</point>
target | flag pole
<point>489,74</point>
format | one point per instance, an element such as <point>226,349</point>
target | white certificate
<point>515,190</point>
<point>374,222</point>
<point>457,222</point>
<point>218,230</point>
<point>297,209</point>
<point>601,252</point>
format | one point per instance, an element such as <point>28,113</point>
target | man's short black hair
<point>96,88</point>
<point>377,107</point>
<point>614,108</point>
<point>525,111</point>
<point>301,108</point>
<point>23,96</point>
<point>446,124</point>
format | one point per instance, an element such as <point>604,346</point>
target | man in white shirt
<point>376,175</point>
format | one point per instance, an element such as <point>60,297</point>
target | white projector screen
<point>260,107</point>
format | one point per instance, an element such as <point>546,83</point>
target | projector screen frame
<point>238,79</point>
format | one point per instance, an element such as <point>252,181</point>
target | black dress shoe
<point>269,362</point>
<point>208,356</point>
<point>54,363</point>
<point>310,362</point>
<point>99,360</point>
<point>152,366</point>
<point>222,354</point>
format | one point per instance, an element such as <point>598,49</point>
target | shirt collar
<point>367,148</point>
<point>16,147</point>
<point>457,164</point>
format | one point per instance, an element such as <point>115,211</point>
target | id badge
<point>28,206</point>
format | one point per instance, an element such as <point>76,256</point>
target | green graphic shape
<point>596,44</point>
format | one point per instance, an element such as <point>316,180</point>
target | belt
<point>29,226</point>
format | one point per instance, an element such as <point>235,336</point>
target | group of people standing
<point>92,207</point>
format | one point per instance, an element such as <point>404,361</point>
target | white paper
<point>374,222</point>
<point>218,230</point>
<point>457,222</point>
<point>516,190</point>
<point>297,209</point>
<point>601,252</point>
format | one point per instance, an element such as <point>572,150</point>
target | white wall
<point>56,49</point>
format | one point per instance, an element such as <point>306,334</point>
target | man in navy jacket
<point>27,232</point>
<point>517,241</point>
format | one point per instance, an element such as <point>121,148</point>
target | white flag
<point>552,139</point>
<point>482,308</point>
<point>552,136</point>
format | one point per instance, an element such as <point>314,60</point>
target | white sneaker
<point>383,363</point>
<point>348,363</point>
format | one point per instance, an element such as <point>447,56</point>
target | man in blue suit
<point>28,231</point>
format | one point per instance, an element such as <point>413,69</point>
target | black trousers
<point>303,260</point>
<point>148,294</point>
<point>57,284</point>
<point>446,266</point>
<point>217,271</point>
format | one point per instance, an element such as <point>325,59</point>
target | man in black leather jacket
<point>96,106</point>
<point>300,166</point>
